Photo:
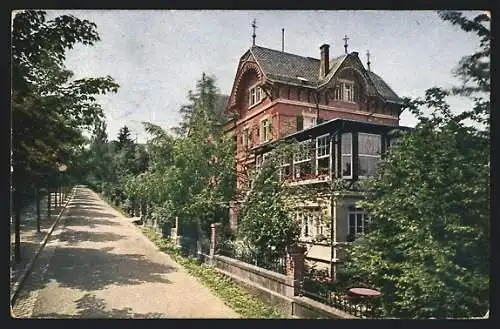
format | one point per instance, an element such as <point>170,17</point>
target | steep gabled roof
<point>289,68</point>
<point>383,88</point>
<point>285,67</point>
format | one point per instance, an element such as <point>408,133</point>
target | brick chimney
<point>325,58</point>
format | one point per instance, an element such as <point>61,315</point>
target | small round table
<point>363,295</point>
<point>365,292</point>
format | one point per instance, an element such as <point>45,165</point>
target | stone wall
<point>276,289</point>
<point>279,283</point>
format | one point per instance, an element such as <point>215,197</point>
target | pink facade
<point>285,104</point>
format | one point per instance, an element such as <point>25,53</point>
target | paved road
<point>99,265</point>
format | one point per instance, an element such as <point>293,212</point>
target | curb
<point>27,269</point>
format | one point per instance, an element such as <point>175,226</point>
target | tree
<point>124,138</point>
<point>191,175</point>
<point>427,248</point>
<point>206,107</point>
<point>266,219</point>
<point>49,109</point>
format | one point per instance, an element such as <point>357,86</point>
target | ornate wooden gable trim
<point>353,63</point>
<point>245,67</point>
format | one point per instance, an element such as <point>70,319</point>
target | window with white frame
<point>285,167</point>
<point>255,95</point>
<point>260,159</point>
<point>322,155</point>
<point>358,222</point>
<point>246,140</point>
<point>345,90</point>
<point>302,160</point>
<point>312,224</point>
<point>369,151</point>
<point>309,121</point>
<point>346,152</point>
<point>337,94</point>
<point>265,130</point>
<point>265,156</point>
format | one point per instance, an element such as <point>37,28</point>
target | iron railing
<point>272,263</point>
<point>324,290</point>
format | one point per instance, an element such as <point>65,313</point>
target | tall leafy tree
<point>427,249</point>
<point>206,107</point>
<point>49,107</point>
<point>190,175</point>
<point>266,220</point>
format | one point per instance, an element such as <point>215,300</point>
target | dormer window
<point>346,90</point>
<point>256,95</point>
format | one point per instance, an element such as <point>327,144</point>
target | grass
<point>234,296</point>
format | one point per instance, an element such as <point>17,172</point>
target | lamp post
<point>61,167</point>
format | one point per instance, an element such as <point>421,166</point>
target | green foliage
<point>189,176</point>
<point>474,70</point>
<point>428,247</point>
<point>265,216</point>
<point>206,107</point>
<point>50,110</point>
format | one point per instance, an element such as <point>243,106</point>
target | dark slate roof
<point>383,88</point>
<point>285,67</point>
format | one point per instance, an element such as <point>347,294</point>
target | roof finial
<point>254,25</point>
<point>345,42</point>
<point>282,40</point>
<point>368,59</point>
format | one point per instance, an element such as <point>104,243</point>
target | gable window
<point>265,130</point>
<point>338,92</point>
<point>346,91</point>
<point>322,155</point>
<point>346,151</point>
<point>358,222</point>
<point>369,150</point>
<point>302,161</point>
<point>255,95</point>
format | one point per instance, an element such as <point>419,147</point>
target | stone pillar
<point>233,216</point>
<point>295,266</point>
<point>215,235</point>
<point>174,234</point>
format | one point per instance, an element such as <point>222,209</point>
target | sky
<point>156,56</point>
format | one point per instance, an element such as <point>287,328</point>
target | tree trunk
<point>37,200</point>
<point>17,224</point>
<point>140,209</point>
<point>48,202</point>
